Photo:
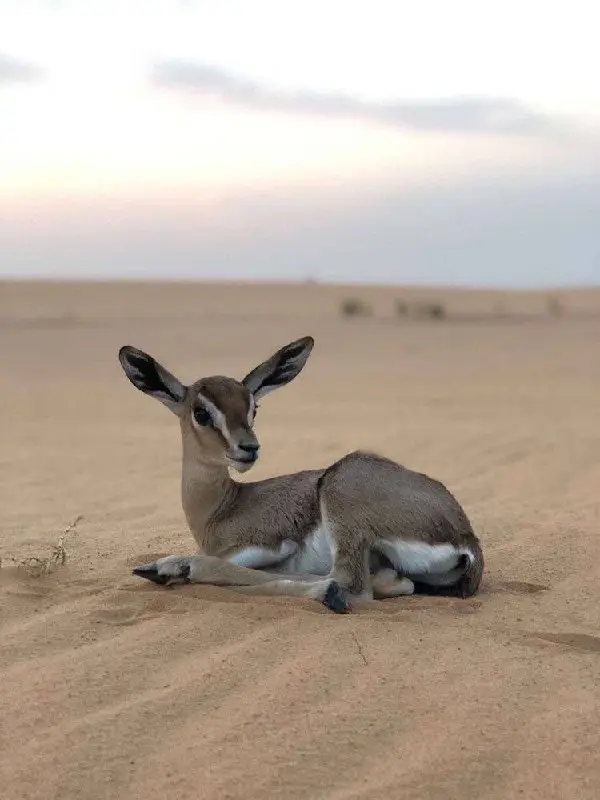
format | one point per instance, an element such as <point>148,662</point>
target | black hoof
<point>151,573</point>
<point>336,599</point>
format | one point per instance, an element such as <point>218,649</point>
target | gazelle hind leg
<point>173,570</point>
<point>351,554</point>
<point>351,567</point>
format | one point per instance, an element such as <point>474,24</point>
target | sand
<point>112,687</point>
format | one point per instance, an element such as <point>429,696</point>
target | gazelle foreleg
<point>202,569</point>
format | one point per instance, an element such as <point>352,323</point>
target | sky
<point>342,140</point>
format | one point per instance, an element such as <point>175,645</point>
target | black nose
<point>251,450</point>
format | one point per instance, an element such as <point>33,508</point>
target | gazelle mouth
<point>249,458</point>
<point>242,464</point>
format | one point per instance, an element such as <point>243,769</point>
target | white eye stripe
<point>217,416</point>
<point>251,410</point>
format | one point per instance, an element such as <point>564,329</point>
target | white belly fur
<point>436,564</point>
<point>314,556</point>
<point>430,563</point>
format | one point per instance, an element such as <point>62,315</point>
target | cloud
<point>12,70</point>
<point>461,114</point>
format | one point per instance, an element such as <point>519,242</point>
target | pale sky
<point>430,142</point>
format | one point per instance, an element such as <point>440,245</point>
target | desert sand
<point>112,687</point>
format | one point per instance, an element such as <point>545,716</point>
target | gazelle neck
<point>204,489</point>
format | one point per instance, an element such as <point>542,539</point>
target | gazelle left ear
<point>281,368</point>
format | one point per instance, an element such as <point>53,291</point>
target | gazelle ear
<point>280,369</point>
<point>150,377</point>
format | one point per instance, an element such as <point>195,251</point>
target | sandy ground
<point>114,688</point>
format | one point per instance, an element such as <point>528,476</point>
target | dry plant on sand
<point>37,566</point>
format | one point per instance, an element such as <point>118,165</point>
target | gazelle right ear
<point>152,378</point>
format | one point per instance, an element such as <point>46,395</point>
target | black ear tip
<point>299,348</point>
<point>129,354</point>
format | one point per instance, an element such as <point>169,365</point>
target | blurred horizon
<point>426,287</point>
<point>378,143</point>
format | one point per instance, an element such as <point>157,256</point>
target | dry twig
<point>37,566</point>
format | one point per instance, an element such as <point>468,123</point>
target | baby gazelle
<point>363,527</point>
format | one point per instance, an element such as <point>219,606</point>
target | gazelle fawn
<point>363,527</point>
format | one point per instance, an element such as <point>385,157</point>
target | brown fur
<point>361,498</point>
<point>394,501</point>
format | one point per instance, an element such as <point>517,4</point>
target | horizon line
<point>272,282</point>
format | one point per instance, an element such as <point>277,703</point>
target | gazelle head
<point>218,412</point>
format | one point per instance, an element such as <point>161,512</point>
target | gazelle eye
<point>202,416</point>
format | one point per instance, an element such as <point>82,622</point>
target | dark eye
<point>202,416</point>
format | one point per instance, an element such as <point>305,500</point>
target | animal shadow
<point>518,587</point>
<point>583,642</point>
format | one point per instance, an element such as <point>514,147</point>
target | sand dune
<point>114,688</point>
